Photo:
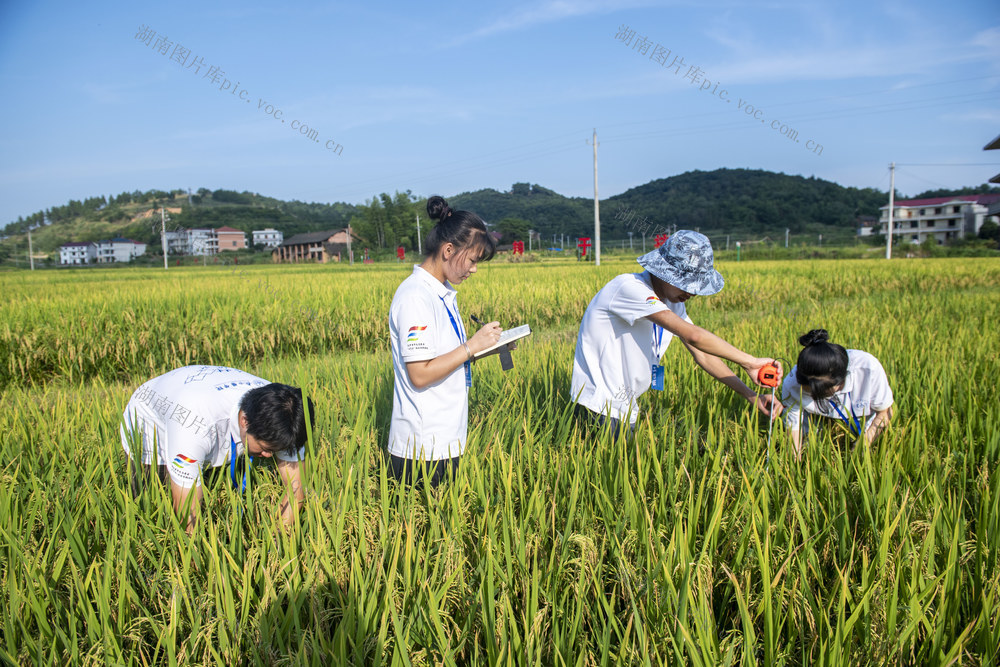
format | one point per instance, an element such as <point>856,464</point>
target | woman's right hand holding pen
<point>487,336</point>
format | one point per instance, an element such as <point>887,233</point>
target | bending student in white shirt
<point>431,354</point>
<point>200,417</point>
<point>629,324</point>
<point>849,386</point>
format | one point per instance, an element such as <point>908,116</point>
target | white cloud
<point>552,11</point>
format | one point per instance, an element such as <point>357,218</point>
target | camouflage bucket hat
<point>685,261</point>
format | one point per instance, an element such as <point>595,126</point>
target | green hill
<point>743,202</point>
<point>136,215</point>
<point>724,201</point>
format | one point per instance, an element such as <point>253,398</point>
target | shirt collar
<point>444,290</point>
<point>234,429</point>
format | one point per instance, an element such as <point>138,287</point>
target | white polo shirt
<point>866,391</point>
<point>187,417</point>
<point>616,350</point>
<point>431,423</point>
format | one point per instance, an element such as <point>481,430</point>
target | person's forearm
<point>186,502</point>
<point>289,510</point>
<point>425,373</point>
<point>877,425</point>
<point>721,372</point>
<point>707,342</point>
<point>797,443</point>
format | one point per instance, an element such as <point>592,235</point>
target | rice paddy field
<point>683,547</point>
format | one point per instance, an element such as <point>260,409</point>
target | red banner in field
<point>518,248</point>
<point>400,252</point>
<point>584,245</point>
<point>660,239</point>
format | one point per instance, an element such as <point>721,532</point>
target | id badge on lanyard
<point>460,332</point>
<point>657,368</point>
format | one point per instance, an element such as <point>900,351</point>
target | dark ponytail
<point>822,365</point>
<point>462,229</point>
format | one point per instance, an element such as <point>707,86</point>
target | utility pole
<point>31,254</point>
<point>892,200</point>
<point>727,242</point>
<point>597,210</point>
<point>786,237</point>
<point>630,240</point>
<point>163,236</point>
<point>350,253</point>
<point>420,248</point>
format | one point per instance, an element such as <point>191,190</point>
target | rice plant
<point>550,548</point>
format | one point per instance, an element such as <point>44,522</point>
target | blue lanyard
<point>454,323</point>
<point>232,465</point>
<point>460,332</point>
<point>850,407</point>
<point>657,340</point>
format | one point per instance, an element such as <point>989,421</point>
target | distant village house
<point>270,238</point>
<point>230,239</point>
<point>940,218</point>
<point>118,250</point>
<point>321,247</point>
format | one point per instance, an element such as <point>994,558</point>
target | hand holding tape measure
<point>769,375</point>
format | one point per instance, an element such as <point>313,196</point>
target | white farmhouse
<point>82,252</point>
<point>939,218</point>
<point>271,238</point>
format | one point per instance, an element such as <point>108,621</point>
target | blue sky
<point>441,98</point>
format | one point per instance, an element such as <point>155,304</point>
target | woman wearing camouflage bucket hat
<point>629,324</point>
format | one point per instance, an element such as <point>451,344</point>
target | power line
<point>872,93</point>
<point>949,164</point>
<point>858,111</point>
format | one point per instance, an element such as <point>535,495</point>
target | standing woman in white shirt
<point>849,386</point>
<point>628,325</point>
<point>431,354</point>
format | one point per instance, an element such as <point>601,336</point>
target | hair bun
<point>438,208</point>
<point>813,337</point>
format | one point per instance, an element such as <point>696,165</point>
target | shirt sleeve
<point>417,329</point>
<point>187,457</point>
<point>635,300</point>
<point>791,394</point>
<point>300,455</point>
<point>881,392</point>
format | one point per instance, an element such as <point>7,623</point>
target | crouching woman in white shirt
<point>849,386</point>
<point>431,354</point>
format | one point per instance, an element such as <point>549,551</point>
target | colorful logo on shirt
<point>180,461</point>
<point>414,333</point>
<point>651,300</point>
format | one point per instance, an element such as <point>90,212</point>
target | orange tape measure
<point>768,375</point>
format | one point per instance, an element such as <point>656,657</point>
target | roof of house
<point>311,237</point>
<point>936,201</point>
<point>77,244</point>
<point>229,230</point>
